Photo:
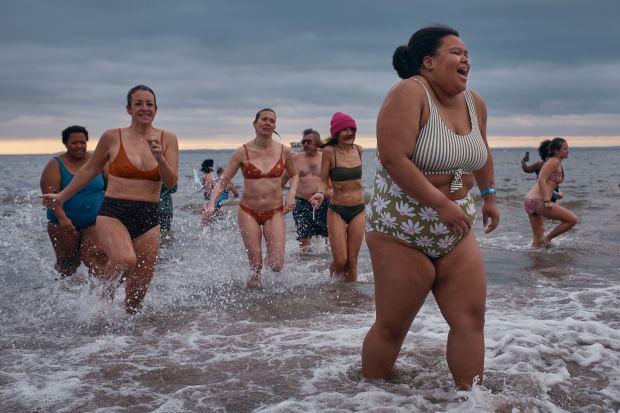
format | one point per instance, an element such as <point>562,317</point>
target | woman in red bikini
<point>261,213</point>
<point>140,159</point>
<point>538,202</point>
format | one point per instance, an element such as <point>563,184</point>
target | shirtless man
<point>309,221</point>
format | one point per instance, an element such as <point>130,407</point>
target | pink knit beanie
<point>339,122</point>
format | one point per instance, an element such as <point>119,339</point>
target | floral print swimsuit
<point>393,212</point>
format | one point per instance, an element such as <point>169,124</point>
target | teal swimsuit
<point>83,207</point>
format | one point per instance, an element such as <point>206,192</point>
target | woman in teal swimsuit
<point>432,149</point>
<point>342,164</point>
<point>72,227</point>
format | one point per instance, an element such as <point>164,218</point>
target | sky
<point>544,68</point>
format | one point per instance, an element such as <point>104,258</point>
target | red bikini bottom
<point>262,216</point>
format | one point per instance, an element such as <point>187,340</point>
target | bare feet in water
<point>254,282</point>
<point>543,242</point>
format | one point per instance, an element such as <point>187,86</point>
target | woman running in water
<point>261,212</point>
<point>141,158</point>
<point>342,163</point>
<point>539,203</point>
<point>71,228</point>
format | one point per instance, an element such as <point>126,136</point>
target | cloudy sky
<point>545,68</point>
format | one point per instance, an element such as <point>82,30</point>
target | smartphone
<point>526,158</point>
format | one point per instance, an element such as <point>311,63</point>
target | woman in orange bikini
<point>261,213</point>
<point>140,159</point>
<point>539,202</point>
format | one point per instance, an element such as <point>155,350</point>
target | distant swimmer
<point>71,226</point>
<point>141,158</point>
<point>538,202</point>
<point>263,161</point>
<point>309,221</point>
<point>543,152</point>
<point>208,182</point>
<point>342,165</point>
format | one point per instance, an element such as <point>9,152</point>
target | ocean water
<point>206,344</point>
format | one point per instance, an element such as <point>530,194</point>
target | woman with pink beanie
<point>342,164</point>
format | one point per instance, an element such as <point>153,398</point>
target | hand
<point>489,210</point>
<point>289,204</point>
<point>66,225</point>
<point>317,199</point>
<point>155,146</point>
<point>207,214</point>
<point>559,195</point>
<point>51,201</point>
<point>453,217</point>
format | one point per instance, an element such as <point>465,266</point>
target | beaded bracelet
<point>488,191</point>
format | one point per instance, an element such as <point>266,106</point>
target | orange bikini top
<point>122,167</point>
<point>252,172</point>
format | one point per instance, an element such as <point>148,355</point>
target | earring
<point>429,68</point>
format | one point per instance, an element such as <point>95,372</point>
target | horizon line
<point>49,146</point>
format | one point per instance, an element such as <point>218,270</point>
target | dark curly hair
<point>407,59</point>
<point>555,145</point>
<point>73,129</point>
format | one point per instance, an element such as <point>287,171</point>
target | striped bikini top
<point>122,167</point>
<point>439,151</point>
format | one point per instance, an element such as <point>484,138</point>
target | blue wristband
<point>488,191</point>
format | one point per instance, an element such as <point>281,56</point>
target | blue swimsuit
<point>83,207</point>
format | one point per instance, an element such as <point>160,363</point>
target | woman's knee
<point>392,331</point>
<point>472,319</point>
<point>572,220</point>
<point>122,260</point>
<point>339,263</point>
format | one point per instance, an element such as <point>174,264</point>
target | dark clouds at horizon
<point>543,67</point>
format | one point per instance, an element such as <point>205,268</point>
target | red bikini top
<point>252,172</point>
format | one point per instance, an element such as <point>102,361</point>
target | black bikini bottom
<point>347,213</point>
<point>137,216</point>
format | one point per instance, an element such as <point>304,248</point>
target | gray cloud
<point>213,64</point>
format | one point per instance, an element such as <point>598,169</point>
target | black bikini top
<point>341,174</point>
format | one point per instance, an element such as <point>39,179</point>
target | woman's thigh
<point>556,212</point>
<point>274,232</point>
<point>355,235</point>
<point>66,243</point>
<point>250,233</point>
<point>113,237</point>
<point>401,285</point>
<point>337,233</point>
<point>460,288</point>
<point>146,247</point>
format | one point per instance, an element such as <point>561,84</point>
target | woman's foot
<point>254,282</point>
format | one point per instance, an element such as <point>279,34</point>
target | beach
<point>205,343</point>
